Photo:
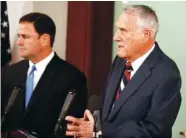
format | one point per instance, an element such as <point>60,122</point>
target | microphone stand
<point>11,100</point>
<point>60,133</point>
<point>3,119</point>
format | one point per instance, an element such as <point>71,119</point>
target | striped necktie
<point>125,78</point>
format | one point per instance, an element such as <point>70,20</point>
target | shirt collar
<point>43,63</point>
<point>137,63</point>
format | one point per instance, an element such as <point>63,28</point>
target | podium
<point>18,134</point>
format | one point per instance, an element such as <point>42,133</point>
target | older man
<point>142,95</point>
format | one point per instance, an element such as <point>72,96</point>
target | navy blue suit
<point>148,105</point>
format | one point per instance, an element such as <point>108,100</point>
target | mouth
<point>119,46</point>
<point>21,49</point>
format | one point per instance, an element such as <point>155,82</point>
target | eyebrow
<point>122,28</point>
<point>23,35</point>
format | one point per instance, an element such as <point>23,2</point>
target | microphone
<point>94,104</point>
<point>11,101</point>
<point>97,119</point>
<point>64,110</point>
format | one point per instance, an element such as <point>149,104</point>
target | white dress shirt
<point>136,64</point>
<point>40,68</point>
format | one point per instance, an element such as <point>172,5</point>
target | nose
<point>117,36</point>
<point>19,41</point>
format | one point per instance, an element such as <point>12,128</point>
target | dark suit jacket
<point>149,104</point>
<point>48,97</point>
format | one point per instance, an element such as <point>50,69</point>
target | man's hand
<point>81,127</point>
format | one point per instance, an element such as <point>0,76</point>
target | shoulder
<point>13,67</point>
<point>165,68</point>
<point>160,63</point>
<point>66,68</point>
<point>168,65</point>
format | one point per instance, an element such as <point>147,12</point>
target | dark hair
<point>42,24</point>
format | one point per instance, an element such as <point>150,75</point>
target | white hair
<point>146,17</point>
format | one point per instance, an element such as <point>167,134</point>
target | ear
<point>147,34</point>
<point>45,39</point>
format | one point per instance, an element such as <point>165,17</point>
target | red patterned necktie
<point>125,78</point>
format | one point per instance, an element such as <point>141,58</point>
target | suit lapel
<point>112,87</point>
<point>138,79</point>
<point>19,104</point>
<point>45,80</point>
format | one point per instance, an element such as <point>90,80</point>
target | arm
<point>161,115</point>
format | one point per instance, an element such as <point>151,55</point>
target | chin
<point>121,54</point>
<point>22,55</point>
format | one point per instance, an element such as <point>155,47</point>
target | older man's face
<point>128,37</point>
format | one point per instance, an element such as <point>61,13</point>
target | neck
<point>147,46</point>
<point>42,55</point>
